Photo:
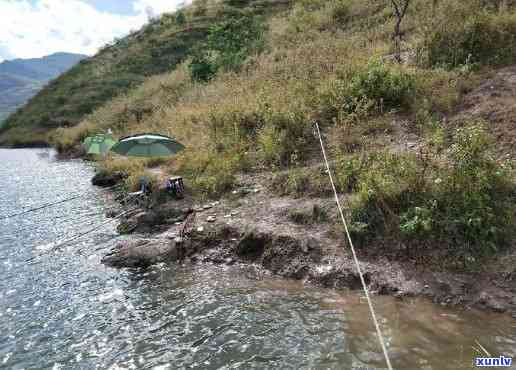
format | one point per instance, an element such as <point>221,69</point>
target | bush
<point>283,138</point>
<point>388,86</point>
<point>300,182</point>
<point>366,90</point>
<point>208,172</point>
<point>227,46</point>
<point>180,18</point>
<point>308,15</point>
<point>481,38</point>
<point>465,206</point>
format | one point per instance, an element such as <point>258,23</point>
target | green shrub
<point>283,138</point>
<point>367,90</point>
<point>210,173</point>
<point>388,86</point>
<point>465,206</point>
<point>309,15</point>
<point>180,18</point>
<point>228,45</point>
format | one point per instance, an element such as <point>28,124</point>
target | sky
<point>35,28</point>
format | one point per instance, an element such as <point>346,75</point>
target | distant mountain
<point>21,79</point>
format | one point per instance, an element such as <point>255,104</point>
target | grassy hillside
<point>416,172</point>
<point>157,48</point>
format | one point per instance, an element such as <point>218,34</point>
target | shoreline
<point>35,145</point>
<point>252,227</point>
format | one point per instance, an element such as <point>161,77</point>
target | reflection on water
<point>68,311</point>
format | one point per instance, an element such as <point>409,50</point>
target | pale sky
<point>35,28</point>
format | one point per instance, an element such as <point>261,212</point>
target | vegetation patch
<point>481,37</point>
<point>462,204</point>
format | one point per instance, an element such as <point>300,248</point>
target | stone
<point>141,253</point>
<point>200,229</point>
<point>103,179</point>
<point>210,219</point>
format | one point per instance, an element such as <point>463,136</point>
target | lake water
<point>65,310</point>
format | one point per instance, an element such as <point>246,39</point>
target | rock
<point>229,261</point>
<point>104,179</point>
<point>483,298</point>
<point>170,236</point>
<point>130,224</point>
<point>200,229</point>
<point>207,206</point>
<point>211,219</point>
<point>113,213</point>
<point>227,216</point>
<point>141,253</point>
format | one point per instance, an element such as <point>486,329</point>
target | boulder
<point>142,253</point>
<point>104,179</point>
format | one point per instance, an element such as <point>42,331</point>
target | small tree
<point>227,46</point>
<point>180,18</point>
<point>400,8</point>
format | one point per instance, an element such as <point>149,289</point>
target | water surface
<point>65,310</point>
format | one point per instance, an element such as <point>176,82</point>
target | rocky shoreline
<point>283,236</point>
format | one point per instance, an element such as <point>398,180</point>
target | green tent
<point>99,144</point>
<point>147,145</point>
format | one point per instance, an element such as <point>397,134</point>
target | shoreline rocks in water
<point>262,233</point>
<point>142,253</point>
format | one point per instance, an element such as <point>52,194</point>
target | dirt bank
<point>292,238</point>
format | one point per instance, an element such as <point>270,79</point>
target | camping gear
<point>147,146</point>
<point>175,186</point>
<point>99,144</point>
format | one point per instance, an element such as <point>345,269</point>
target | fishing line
<point>48,205</point>
<point>364,285</point>
<point>80,235</point>
<point>81,217</point>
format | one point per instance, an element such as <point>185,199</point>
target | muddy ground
<point>281,236</point>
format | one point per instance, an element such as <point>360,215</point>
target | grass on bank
<point>326,61</point>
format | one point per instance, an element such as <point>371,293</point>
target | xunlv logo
<point>493,361</point>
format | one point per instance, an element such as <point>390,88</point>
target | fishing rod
<point>48,205</point>
<point>86,216</point>
<point>80,235</point>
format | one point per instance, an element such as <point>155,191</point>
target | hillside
<point>21,79</point>
<point>157,48</point>
<point>427,177</point>
<point>418,117</point>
